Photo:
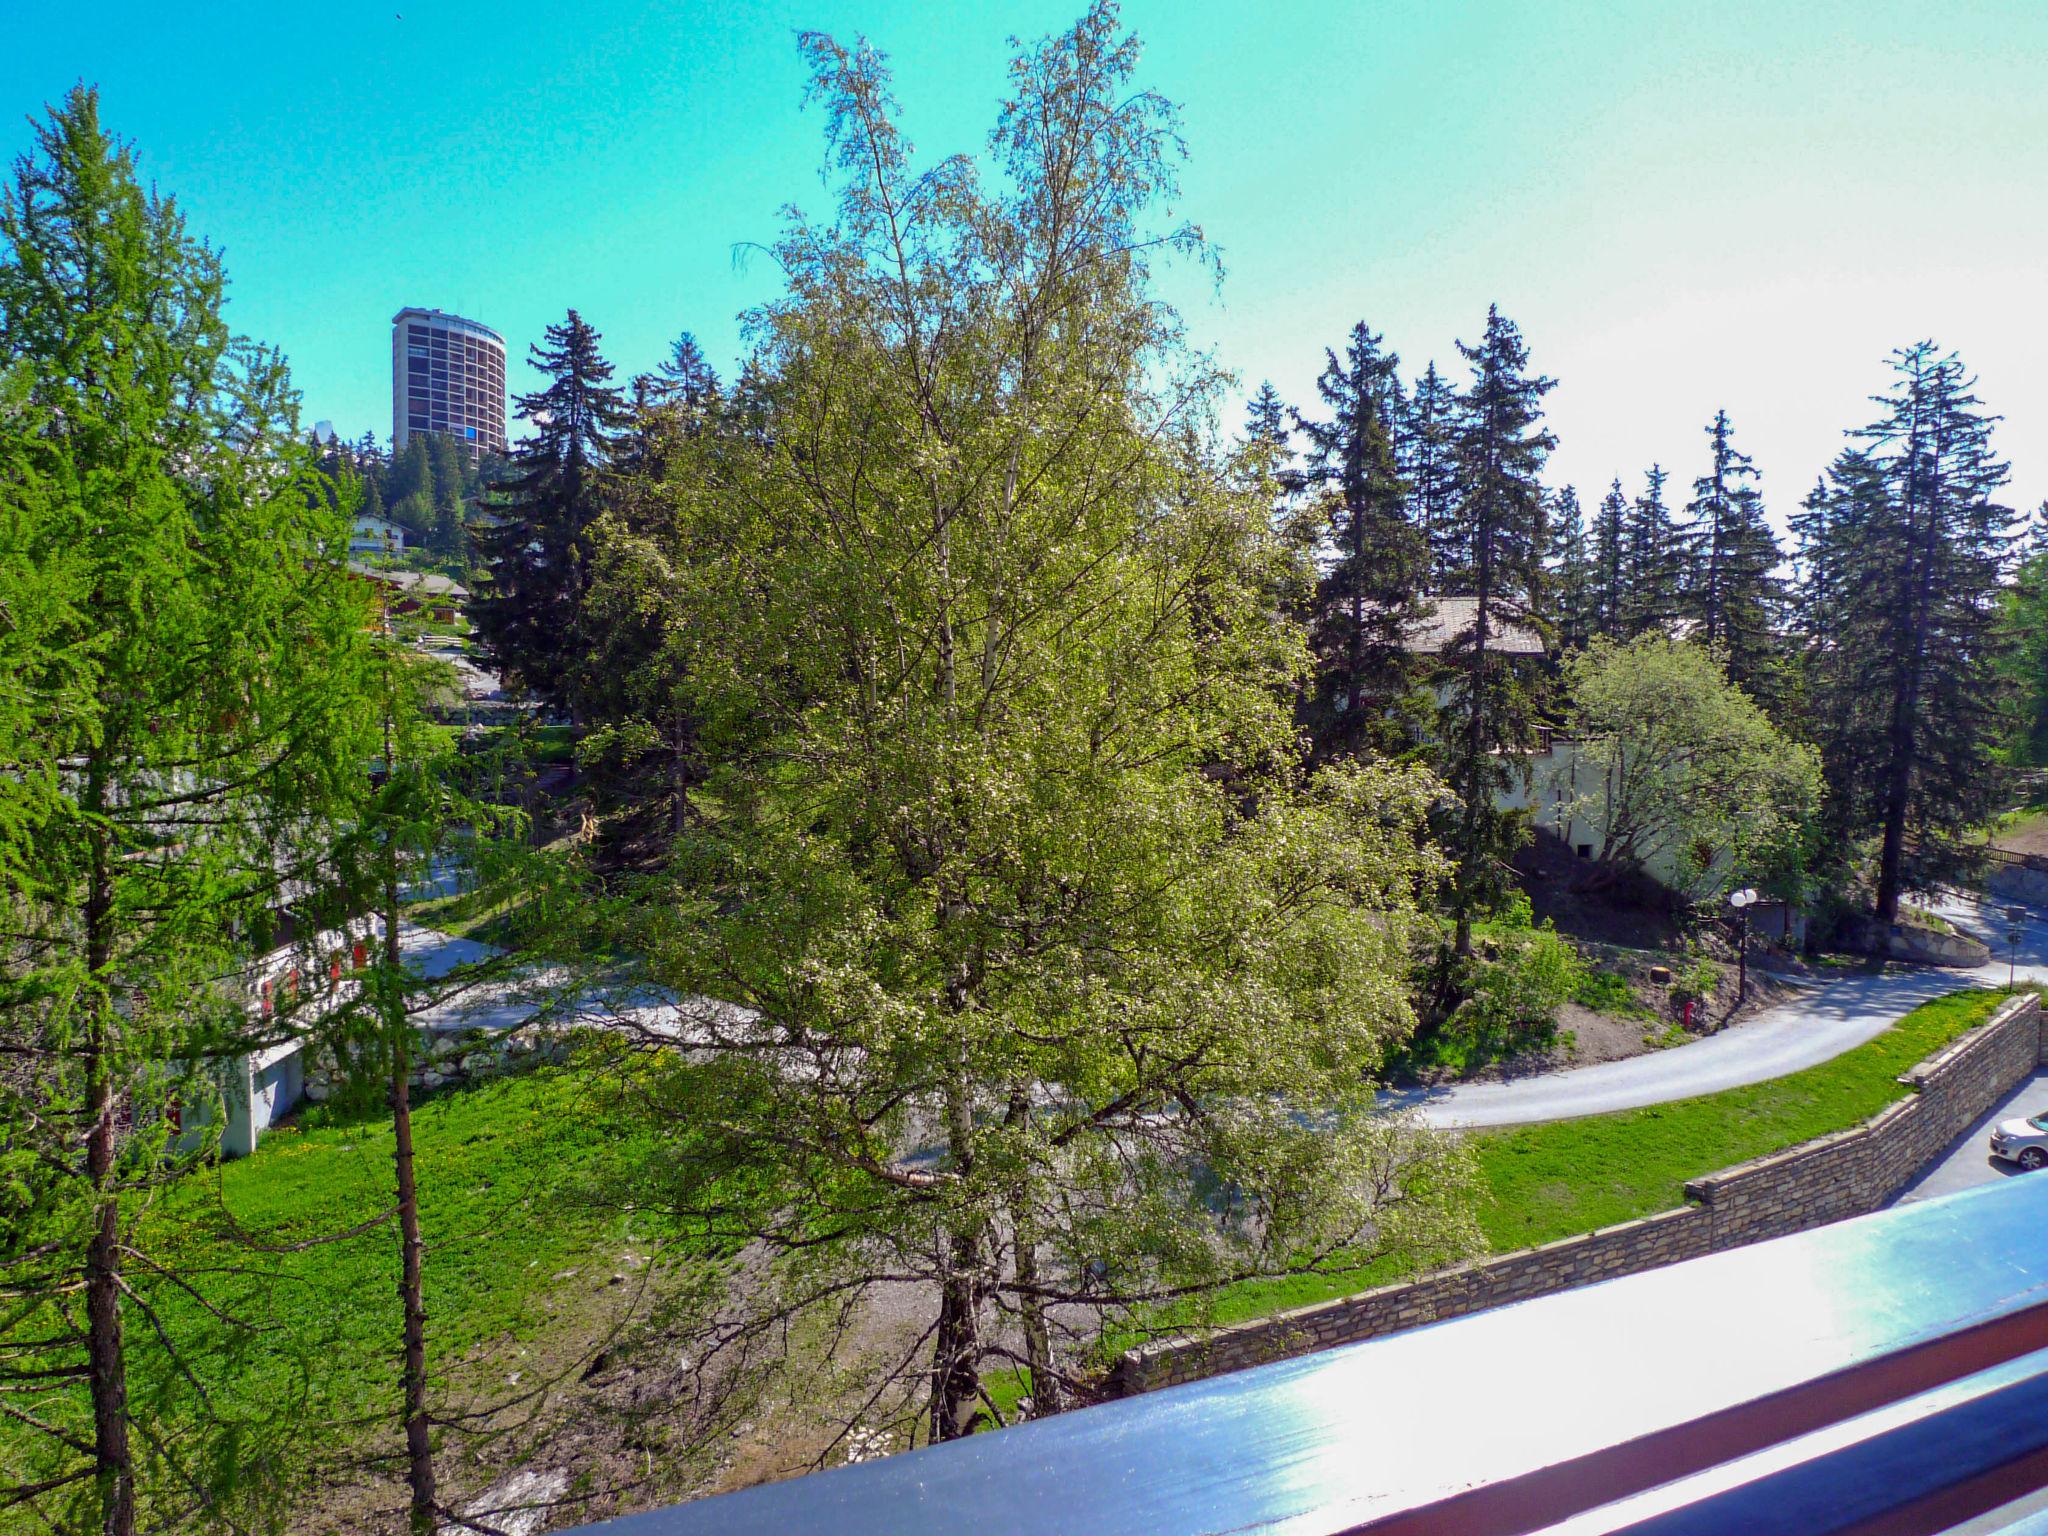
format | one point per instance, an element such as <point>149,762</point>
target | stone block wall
<point>1847,1174</point>
<point>454,1056</point>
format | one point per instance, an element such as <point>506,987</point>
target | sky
<point>1685,207</point>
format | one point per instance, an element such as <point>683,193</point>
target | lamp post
<point>1742,901</point>
<point>2016,930</point>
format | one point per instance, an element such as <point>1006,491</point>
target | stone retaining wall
<point>453,1057</point>
<point>2019,877</point>
<point>1847,1174</point>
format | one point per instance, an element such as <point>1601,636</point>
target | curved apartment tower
<point>447,376</point>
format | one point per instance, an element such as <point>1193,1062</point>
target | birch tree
<point>1046,989</point>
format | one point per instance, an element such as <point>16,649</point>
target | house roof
<point>414,583</point>
<point>1451,617</point>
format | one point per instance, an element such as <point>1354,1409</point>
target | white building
<point>373,535</point>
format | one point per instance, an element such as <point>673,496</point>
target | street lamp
<point>2016,930</point>
<point>1742,901</point>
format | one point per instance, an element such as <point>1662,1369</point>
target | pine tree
<point>1913,697</point>
<point>539,552</point>
<point>1429,463</point>
<point>1368,596</point>
<point>1574,584</point>
<point>1610,562</point>
<point>1732,592</point>
<point>1654,561</point>
<point>635,683</point>
<point>1491,709</point>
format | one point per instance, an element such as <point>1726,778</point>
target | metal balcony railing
<point>1883,1375</point>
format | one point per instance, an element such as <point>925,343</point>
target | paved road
<point>1829,1019</point>
<point>1968,1161</point>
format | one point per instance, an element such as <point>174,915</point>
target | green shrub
<point>1608,992</point>
<point>1522,983</point>
<point>1696,983</point>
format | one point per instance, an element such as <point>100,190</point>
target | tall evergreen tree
<point>539,552</point>
<point>1914,695</point>
<point>1610,562</point>
<point>199,672</point>
<point>1491,708</point>
<point>1732,591</point>
<point>1369,594</point>
<point>1655,560</point>
<point>1265,420</point>
<point>1429,463</point>
<point>454,471</point>
<point>1574,586</point>
<point>2027,620</point>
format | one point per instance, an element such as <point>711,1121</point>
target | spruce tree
<point>635,682</point>
<point>2026,604</point>
<point>529,613</point>
<point>1610,562</point>
<point>1429,463</point>
<point>1265,420</point>
<point>1574,585</point>
<point>1491,713</point>
<point>1368,596</point>
<point>453,470</point>
<point>1825,529</point>
<point>1732,592</point>
<point>1914,697</point>
<point>1655,561</point>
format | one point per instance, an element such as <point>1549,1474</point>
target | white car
<point>2022,1141</point>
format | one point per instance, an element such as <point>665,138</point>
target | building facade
<point>447,376</point>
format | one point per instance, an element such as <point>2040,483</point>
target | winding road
<point>1832,1017</point>
<point>1829,1018</point>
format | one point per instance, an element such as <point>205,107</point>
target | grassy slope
<point>507,1176</point>
<point>1549,1181</point>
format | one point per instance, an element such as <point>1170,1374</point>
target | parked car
<point>2022,1141</point>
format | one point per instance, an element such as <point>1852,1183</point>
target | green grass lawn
<point>486,916</point>
<point>511,1175</point>
<point>1543,1182</point>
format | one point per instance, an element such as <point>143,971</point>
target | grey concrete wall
<point>1847,1174</point>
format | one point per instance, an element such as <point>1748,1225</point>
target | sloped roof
<point>1453,616</point>
<point>419,583</point>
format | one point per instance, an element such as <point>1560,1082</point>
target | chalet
<point>373,535</point>
<point>441,597</point>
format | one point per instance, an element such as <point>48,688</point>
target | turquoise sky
<point>1685,206</point>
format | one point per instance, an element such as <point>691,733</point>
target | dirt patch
<point>1634,913</point>
<point>2027,835</point>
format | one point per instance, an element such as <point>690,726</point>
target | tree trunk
<point>419,1451</point>
<point>1047,1395</point>
<point>1903,734</point>
<point>107,1362</point>
<point>956,1357</point>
